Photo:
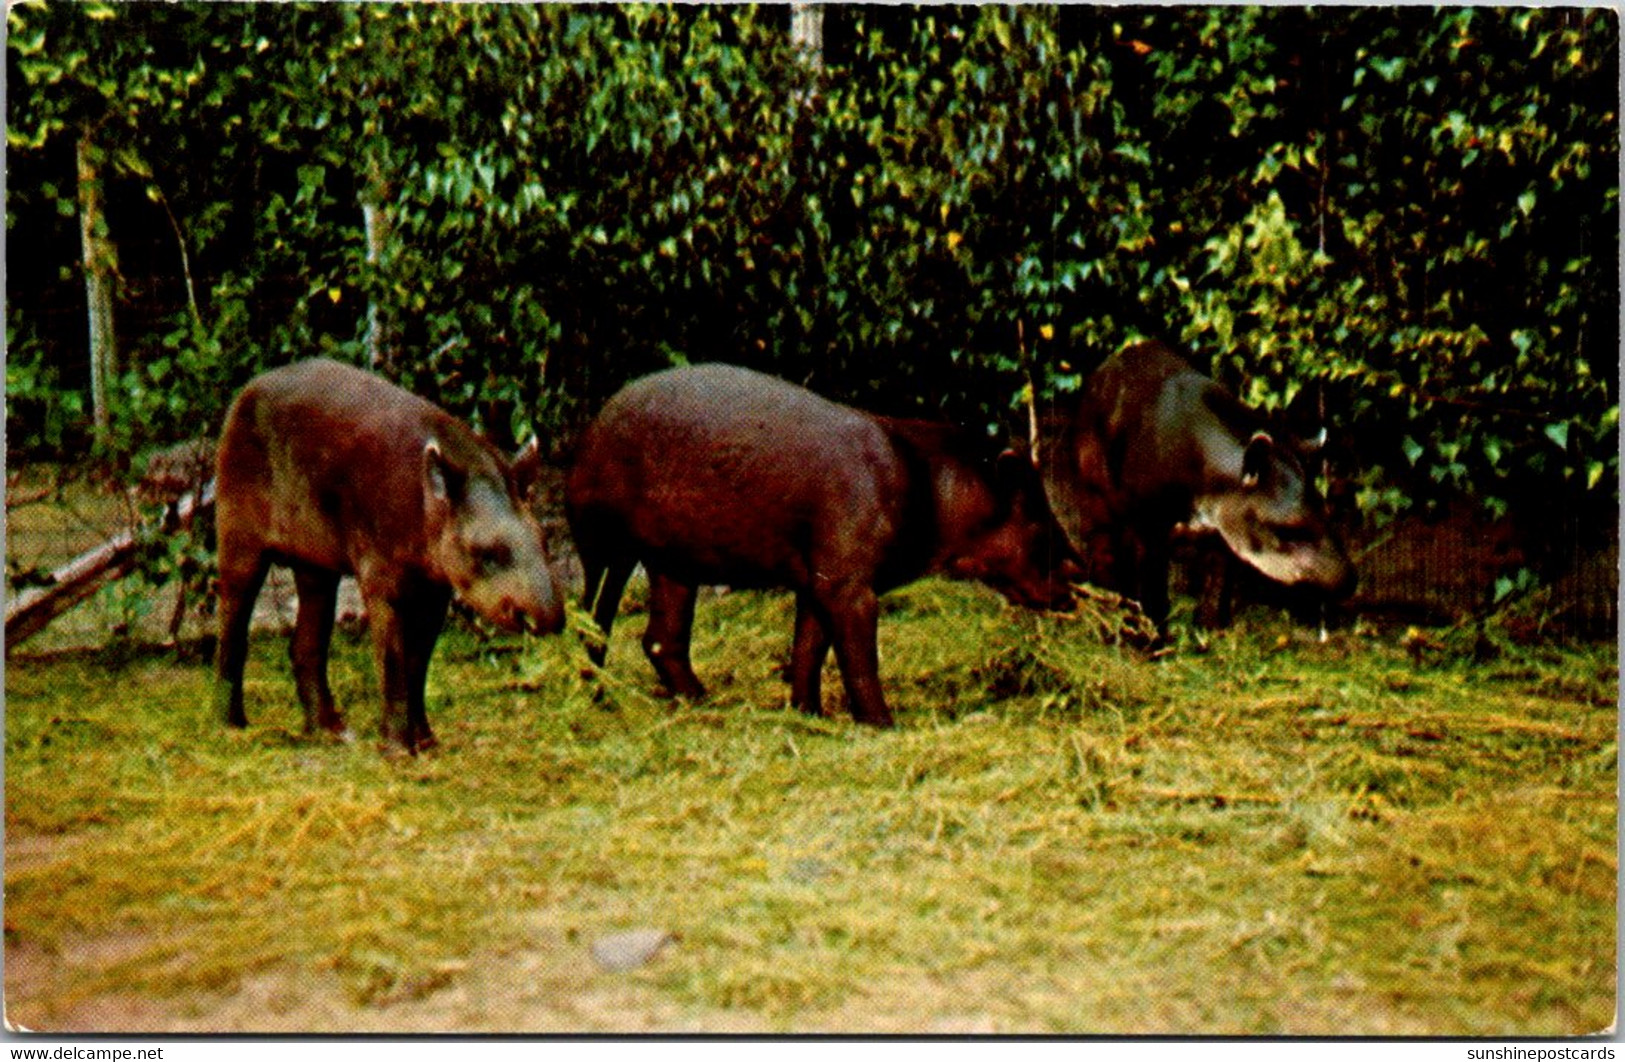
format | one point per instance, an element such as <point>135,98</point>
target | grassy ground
<point>1272,836</point>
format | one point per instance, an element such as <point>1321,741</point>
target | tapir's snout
<point>1325,568</point>
<point>548,620</point>
<point>1345,586</point>
<point>540,612</point>
<point>510,617</point>
<point>522,599</point>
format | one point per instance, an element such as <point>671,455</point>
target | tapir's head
<point>1272,518</point>
<point>1002,534</point>
<point>482,537</point>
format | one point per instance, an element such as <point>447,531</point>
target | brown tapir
<point>334,471</point>
<point>714,474</point>
<point>1152,444</point>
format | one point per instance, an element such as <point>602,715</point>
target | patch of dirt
<point>29,851</point>
<point>555,988</point>
<point>548,989</point>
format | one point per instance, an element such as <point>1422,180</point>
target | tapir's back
<point>317,454</point>
<point>328,414</point>
<point>734,475</point>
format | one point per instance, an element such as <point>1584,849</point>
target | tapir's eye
<point>492,557</point>
<point>1293,535</point>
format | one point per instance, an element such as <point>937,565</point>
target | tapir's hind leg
<point>312,635</point>
<point>807,655</point>
<point>242,573</point>
<point>854,619</point>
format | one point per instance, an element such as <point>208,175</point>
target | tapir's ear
<point>527,466</point>
<point>1015,454</point>
<point>442,480</point>
<point>1255,460</point>
<point>1015,467</point>
<point>1311,447</point>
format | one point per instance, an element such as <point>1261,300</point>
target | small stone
<point>619,952</point>
<point>808,871</point>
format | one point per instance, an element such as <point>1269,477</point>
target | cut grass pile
<point>1273,836</point>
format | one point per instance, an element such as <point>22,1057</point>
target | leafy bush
<point>1400,221</point>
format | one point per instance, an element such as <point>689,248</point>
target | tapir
<point>715,474</point>
<point>334,471</point>
<point>1152,444</point>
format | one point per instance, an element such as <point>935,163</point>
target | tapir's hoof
<point>812,708</point>
<point>685,688</point>
<point>331,730</point>
<point>881,721</point>
<point>337,736</point>
<point>232,715</point>
<point>395,747</point>
<point>666,693</point>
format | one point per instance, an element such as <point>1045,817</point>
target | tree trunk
<point>375,222</point>
<point>100,271</point>
<point>807,33</point>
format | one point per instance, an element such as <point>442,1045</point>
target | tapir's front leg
<point>1154,557</point>
<point>404,628</point>
<point>421,623</point>
<point>389,652</point>
<point>669,633</point>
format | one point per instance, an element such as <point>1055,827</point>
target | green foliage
<point>37,396</point>
<point>1401,221</point>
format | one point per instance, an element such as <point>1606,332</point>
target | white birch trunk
<point>100,265</point>
<point>375,223</point>
<point>807,32</point>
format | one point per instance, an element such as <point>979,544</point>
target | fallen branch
<point>16,499</point>
<point>1217,801</point>
<point>33,610</point>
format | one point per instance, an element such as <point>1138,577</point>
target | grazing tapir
<point>334,471</point>
<point>1152,444</point>
<point>714,474</point>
